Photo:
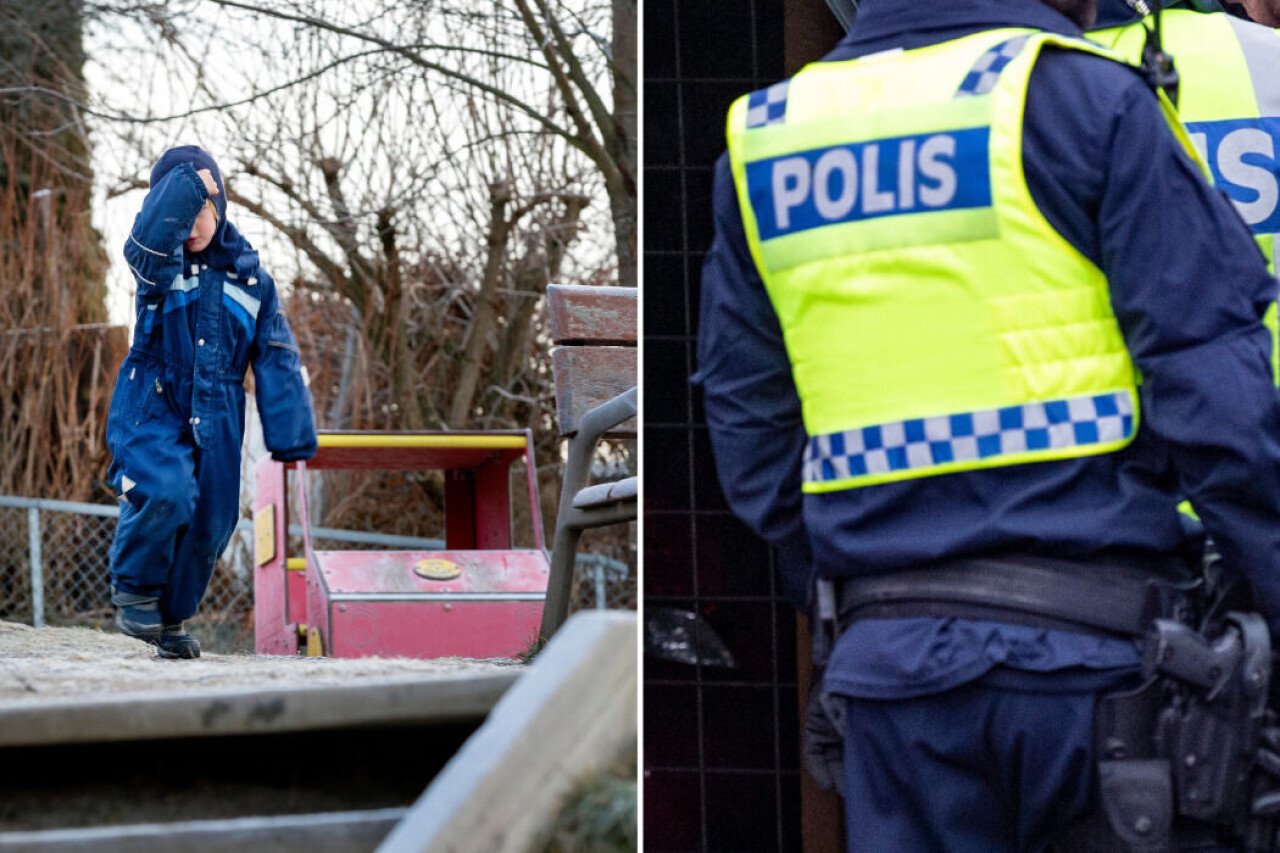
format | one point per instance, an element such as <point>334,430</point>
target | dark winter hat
<point>227,244</point>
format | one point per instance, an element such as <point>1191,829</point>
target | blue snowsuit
<point>177,416</point>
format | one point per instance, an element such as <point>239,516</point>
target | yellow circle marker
<point>437,569</point>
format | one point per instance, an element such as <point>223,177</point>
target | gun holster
<point>1135,784</point>
<point>1178,755</point>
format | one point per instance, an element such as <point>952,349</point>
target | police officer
<point>943,257</point>
<point>1228,96</point>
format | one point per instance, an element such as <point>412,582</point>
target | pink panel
<point>531,480</point>
<point>389,610</point>
<point>393,572</point>
<point>460,509</point>
<point>431,630</point>
<point>493,506</point>
<point>317,612</point>
<point>296,585</point>
<point>273,635</point>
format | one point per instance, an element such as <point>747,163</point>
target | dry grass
<point>601,815</point>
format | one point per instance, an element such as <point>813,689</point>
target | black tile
<point>665,303</point>
<point>672,811</point>
<point>792,830</point>
<point>705,107</point>
<point>657,669</point>
<point>661,126</point>
<point>694,267</point>
<point>692,546</point>
<point>668,556</point>
<point>770,40</point>
<point>786,624</point>
<point>732,560</point>
<point>666,381</point>
<point>746,629</point>
<point>666,468</point>
<point>659,40</point>
<point>698,209</point>
<point>707,494</point>
<point>671,726</point>
<point>698,396</point>
<point>715,39</point>
<point>788,729</point>
<point>738,728</point>
<point>742,812</point>
<point>663,221</point>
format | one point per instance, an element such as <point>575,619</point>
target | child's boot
<point>141,621</point>
<point>174,642</point>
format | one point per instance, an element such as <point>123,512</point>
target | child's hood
<point>228,249</point>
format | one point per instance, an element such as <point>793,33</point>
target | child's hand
<point>209,183</point>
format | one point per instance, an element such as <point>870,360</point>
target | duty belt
<point>1041,592</point>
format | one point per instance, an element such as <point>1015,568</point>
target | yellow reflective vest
<point>1229,98</point>
<point>935,321</point>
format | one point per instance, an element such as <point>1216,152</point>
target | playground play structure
<point>476,597</point>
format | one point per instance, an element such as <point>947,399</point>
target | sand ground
<point>74,663</point>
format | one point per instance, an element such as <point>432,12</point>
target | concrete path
<point>572,714</point>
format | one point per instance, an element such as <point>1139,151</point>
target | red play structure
<point>476,597</point>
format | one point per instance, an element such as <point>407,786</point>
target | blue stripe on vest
<point>923,443</point>
<point>1244,156</point>
<point>767,106</point>
<point>946,170</point>
<point>982,78</point>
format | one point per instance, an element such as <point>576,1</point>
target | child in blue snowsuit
<point>206,311</point>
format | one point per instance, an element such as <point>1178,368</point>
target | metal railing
<point>54,559</point>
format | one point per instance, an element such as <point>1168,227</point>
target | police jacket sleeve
<point>153,248</point>
<point>752,407</point>
<point>1189,288</point>
<point>279,379</point>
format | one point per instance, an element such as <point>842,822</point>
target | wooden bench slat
<point>605,493</point>
<point>588,376</point>
<point>579,313</point>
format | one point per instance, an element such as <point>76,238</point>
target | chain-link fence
<point>54,571</point>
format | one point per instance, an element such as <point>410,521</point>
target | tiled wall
<point>720,763</point>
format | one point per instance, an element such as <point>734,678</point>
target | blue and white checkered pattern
<point>982,78</point>
<point>767,106</point>
<point>925,443</point>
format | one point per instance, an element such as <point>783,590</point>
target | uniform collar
<point>883,24</point>
<point>1118,13</point>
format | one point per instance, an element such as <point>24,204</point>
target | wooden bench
<point>594,364</point>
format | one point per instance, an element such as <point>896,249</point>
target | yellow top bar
<point>472,442</point>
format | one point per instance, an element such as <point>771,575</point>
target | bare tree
<point>56,356</point>
<point>424,171</point>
